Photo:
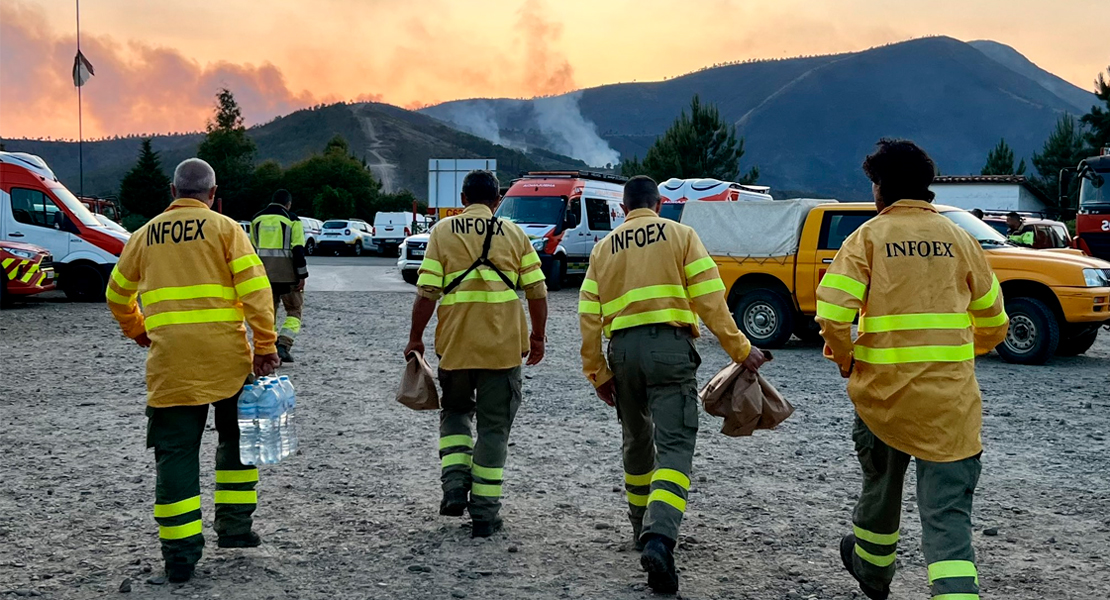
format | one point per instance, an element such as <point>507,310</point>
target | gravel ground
<point>354,515</point>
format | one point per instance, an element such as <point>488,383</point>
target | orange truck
<point>772,255</point>
<point>27,270</point>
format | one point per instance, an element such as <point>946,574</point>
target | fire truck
<point>1092,223</point>
<point>26,270</point>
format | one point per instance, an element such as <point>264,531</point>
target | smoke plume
<point>568,132</point>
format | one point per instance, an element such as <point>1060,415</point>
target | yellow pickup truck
<point>772,255</point>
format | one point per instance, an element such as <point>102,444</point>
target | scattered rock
<point>125,586</point>
<point>419,569</point>
<point>991,531</point>
<point>157,580</point>
<point>514,549</point>
<point>1052,540</point>
<point>602,525</point>
<point>458,594</point>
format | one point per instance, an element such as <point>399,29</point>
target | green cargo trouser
<point>174,432</point>
<point>479,465</point>
<point>654,369</point>
<point>293,301</point>
<point>944,495</point>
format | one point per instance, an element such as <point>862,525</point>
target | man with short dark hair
<point>927,303</point>
<point>278,234</point>
<point>473,266</point>
<point>1017,233</point>
<point>978,212</point>
<point>648,283</point>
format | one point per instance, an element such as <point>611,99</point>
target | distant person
<point>1016,230</point>
<point>648,284</point>
<point>978,213</point>
<point>473,266</point>
<point>199,279</point>
<point>278,234</point>
<point>928,304</point>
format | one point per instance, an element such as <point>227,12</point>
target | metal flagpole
<point>80,123</point>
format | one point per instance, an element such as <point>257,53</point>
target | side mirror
<point>68,226</point>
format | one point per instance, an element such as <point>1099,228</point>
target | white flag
<point>82,69</point>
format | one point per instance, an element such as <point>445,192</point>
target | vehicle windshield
<point>335,225</point>
<point>672,211</point>
<point>985,234</point>
<point>1089,195</point>
<point>83,215</point>
<point>538,210</point>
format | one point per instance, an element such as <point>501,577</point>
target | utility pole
<point>80,121</point>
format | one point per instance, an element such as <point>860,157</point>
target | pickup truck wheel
<point>1034,333</point>
<point>1078,342</point>
<point>807,330</point>
<point>410,276</point>
<point>765,318</point>
<point>555,273</point>
<point>84,283</point>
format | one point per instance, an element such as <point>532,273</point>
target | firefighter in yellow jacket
<point>928,304</point>
<point>648,282</point>
<point>198,279</point>
<point>473,266</point>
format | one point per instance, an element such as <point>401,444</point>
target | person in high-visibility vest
<point>473,266</point>
<point>278,235</point>
<point>928,304</point>
<point>1017,232</point>
<point>198,279</point>
<point>648,283</point>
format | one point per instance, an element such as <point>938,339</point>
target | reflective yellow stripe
<point>252,285</point>
<point>112,296</point>
<point>644,479</point>
<point>845,284</point>
<point>484,489</point>
<point>529,259</point>
<point>177,508</point>
<point>706,287</point>
<point>293,324</point>
<point>30,272</point>
<point>122,281</point>
<point>239,476</point>
<point>429,280</point>
<point>651,292</point>
<point>957,597</point>
<point>450,441</point>
<point>668,498</point>
<point>667,315</point>
<point>700,265</point>
<point>486,274</point>
<point>178,532</point>
<point>488,473</point>
<point>914,321</point>
<point>589,285</point>
<point>7,261</point>
<point>456,458</point>
<point>882,539</point>
<point>637,499</point>
<point>188,292</point>
<point>676,477</point>
<point>42,278</point>
<point>947,569</point>
<point>531,277</point>
<point>995,321</point>
<point>244,262</point>
<point>185,317</point>
<point>589,307</point>
<point>915,354</point>
<point>879,561</point>
<point>236,497</point>
<point>988,299</point>
<point>834,312</point>
<point>479,296</point>
<point>431,266</point>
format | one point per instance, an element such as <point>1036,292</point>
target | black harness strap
<point>483,260</point>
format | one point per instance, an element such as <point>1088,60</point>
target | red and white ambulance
<point>564,213</point>
<point>677,192</point>
<point>35,208</point>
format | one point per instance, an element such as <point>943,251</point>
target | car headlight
<point>539,243</point>
<point>1096,278</point>
<point>26,254</point>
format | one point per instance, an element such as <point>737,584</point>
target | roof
<point>1021,180</point>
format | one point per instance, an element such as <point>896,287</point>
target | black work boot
<point>179,573</point>
<point>658,560</point>
<point>243,540</point>
<point>637,531</point>
<point>284,354</point>
<point>847,551</point>
<point>484,529</point>
<point>453,503</point>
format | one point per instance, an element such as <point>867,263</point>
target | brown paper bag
<point>418,384</point>
<point>745,399</point>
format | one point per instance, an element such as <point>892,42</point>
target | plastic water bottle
<point>248,425</point>
<point>289,441</point>
<point>269,413</point>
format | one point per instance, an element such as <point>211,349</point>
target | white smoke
<point>476,117</point>
<point>568,132</point>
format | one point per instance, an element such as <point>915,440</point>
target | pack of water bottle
<point>267,428</point>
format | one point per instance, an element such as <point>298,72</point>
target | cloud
<point>546,72</point>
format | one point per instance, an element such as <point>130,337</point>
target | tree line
<point>331,184</point>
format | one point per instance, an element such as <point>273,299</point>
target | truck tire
<point>410,276</point>
<point>83,283</point>
<point>358,248</point>
<point>310,247</point>
<point>556,271</point>
<point>1078,342</point>
<point>807,330</point>
<point>765,318</point>
<point>1034,333</point>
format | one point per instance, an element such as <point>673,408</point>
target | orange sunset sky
<point>159,62</point>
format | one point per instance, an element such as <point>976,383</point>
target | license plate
<point>416,252</point>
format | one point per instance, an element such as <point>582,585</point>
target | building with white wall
<point>992,193</point>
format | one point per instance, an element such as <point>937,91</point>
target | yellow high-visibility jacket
<point>481,322</point>
<point>198,278</point>
<point>647,271</point>
<point>928,303</point>
<point>278,237</point>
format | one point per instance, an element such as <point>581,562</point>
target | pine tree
<point>1098,120</point>
<point>230,151</point>
<point>145,189</point>
<point>699,144</point>
<point>1063,149</point>
<point>1000,161</point>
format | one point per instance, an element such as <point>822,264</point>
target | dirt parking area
<point>354,515</point>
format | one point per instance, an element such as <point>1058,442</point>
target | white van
<point>35,208</point>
